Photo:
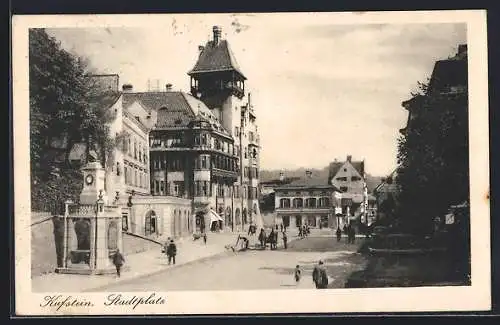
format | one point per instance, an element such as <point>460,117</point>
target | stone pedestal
<point>92,229</point>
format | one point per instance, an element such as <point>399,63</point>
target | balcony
<point>304,210</point>
<point>224,173</point>
<point>173,147</point>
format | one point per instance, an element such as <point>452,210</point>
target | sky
<point>321,90</point>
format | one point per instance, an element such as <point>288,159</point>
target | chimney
<point>217,33</point>
<point>349,158</point>
<point>127,88</point>
<point>168,87</point>
<point>462,50</point>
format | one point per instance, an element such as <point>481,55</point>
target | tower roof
<point>216,56</point>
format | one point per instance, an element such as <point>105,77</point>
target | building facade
<point>201,146</point>
<point>355,201</point>
<point>308,201</point>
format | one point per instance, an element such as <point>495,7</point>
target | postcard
<point>251,163</point>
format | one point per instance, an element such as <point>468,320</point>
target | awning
<point>214,216</point>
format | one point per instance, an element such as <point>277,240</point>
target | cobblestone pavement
<point>255,269</point>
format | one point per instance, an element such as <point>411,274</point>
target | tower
<point>218,81</point>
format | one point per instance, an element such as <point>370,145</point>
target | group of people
<point>272,238</point>
<point>349,231</point>
<point>304,230</point>
<point>319,275</point>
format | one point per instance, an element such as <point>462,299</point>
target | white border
<point>475,297</point>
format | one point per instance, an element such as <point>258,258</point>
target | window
<point>324,202</point>
<point>135,178</point>
<point>203,162</point>
<point>125,174</point>
<point>157,186</point>
<point>355,178</point>
<point>343,188</point>
<point>284,203</point>
<point>297,203</point>
<point>204,139</point>
<point>162,187</point>
<point>117,168</point>
<point>140,152</point>
<point>342,179</point>
<point>176,190</point>
<point>135,149</point>
<point>250,136</point>
<point>205,188</point>
<point>245,172</point>
<point>311,203</point>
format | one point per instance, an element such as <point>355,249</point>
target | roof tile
<point>216,58</point>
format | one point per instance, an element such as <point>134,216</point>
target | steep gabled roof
<point>336,165</point>
<point>333,169</point>
<point>216,57</point>
<point>175,109</point>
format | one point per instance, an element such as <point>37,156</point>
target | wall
<point>43,248</point>
<point>174,216</point>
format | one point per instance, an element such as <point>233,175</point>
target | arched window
<point>298,203</point>
<point>311,202</point>
<point>135,149</point>
<point>324,202</point>
<point>284,203</point>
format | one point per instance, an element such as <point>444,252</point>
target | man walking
<point>171,252</point>
<point>339,234</point>
<point>118,261</point>
<point>320,278</point>
<point>285,240</point>
<point>204,238</point>
<point>262,238</point>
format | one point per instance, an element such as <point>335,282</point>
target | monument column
<point>102,253</point>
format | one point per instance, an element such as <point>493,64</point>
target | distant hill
<point>268,175</point>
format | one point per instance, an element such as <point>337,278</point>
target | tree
<point>66,104</point>
<point>433,159</point>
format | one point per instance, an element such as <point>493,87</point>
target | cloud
<point>321,91</point>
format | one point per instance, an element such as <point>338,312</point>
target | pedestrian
<point>271,238</point>
<point>300,232</point>
<point>262,238</point>
<point>205,238</point>
<point>297,274</point>
<point>353,235</point>
<point>320,225</point>
<point>171,251</point>
<point>320,278</point>
<point>339,234</point>
<point>285,239</point>
<point>275,241</point>
<point>118,261</point>
<point>276,227</point>
<point>348,233</point>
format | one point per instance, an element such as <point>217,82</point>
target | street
<point>253,270</point>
